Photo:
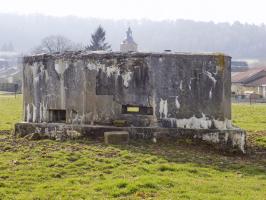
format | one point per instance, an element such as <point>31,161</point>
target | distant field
<point>49,169</point>
<point>250,117</point>
<point>10,111</point>
<point>253,119</point>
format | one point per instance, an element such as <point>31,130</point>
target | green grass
<point>261,141</point>
<point>10,111</point>
<point>250,117</point>
<point>49,169</point>
<point>253,119</point>
<point>87,170</point>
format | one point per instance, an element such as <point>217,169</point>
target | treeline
<point>238,40</point>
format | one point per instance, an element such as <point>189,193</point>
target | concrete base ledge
<point>227,140</point>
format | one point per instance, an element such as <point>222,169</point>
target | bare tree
<point>55,43</point>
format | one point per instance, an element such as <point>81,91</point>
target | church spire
<point>128,43</point>
<point>129,34</point>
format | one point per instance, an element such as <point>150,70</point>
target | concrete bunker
<point>173,91</point>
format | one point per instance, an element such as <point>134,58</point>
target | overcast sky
<point>251,11</point>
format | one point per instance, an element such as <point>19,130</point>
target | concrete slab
<point>226,140</point>
<point>116,137</point>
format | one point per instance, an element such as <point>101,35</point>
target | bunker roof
<point>110,54</point>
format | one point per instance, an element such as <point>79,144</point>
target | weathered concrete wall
<point>184,90</point>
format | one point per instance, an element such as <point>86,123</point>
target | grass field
<point>10,111</point>
<point>253,119</point>
<point>49,169</point>
<point>250,117</point>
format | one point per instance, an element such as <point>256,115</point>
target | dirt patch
<point>3,132</point>
<point>254,144</point>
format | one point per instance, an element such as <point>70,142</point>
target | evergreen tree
<point>98,41</point>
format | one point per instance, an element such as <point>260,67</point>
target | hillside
<point>238,40</point>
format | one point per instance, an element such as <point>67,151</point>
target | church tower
<point>128,43</point>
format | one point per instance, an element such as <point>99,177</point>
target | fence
<point>9,87</point>
<point>249,100</point>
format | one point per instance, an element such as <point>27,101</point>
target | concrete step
<point>116,137</point>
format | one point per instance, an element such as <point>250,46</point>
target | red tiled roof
<point>239,77</point>
<point>257,82</point>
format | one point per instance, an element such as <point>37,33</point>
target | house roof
<point>257,82</point>
<point>253,75</point>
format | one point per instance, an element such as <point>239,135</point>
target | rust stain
<point>220,57</point>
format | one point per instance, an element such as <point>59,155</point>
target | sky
<point>245,11</point>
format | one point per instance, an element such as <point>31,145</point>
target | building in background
<point>128,44</point>
<point>251,81</point>
<point>10,71</point>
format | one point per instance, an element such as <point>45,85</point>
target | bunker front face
<point>146,90</point>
